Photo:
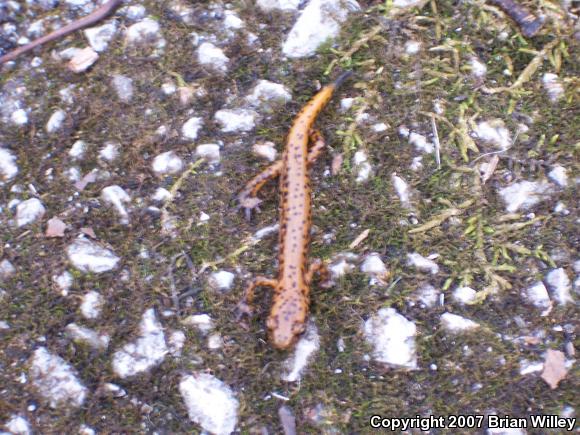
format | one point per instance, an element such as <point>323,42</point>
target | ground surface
<point>497,252</point>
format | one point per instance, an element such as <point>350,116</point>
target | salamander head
<point>286,322</point>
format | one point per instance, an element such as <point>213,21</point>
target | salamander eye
<point>298,328</point>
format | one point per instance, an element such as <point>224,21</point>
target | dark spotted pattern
<point>291,300</point>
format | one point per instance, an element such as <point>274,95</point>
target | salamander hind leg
<point>318,265</point>
<point>316,145</point>
<point>244,308</point>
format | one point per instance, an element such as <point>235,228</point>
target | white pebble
<point>29,211</point>
<point>167,163</point>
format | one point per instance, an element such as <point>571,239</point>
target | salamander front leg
<point>318,265</point>
<point>244,308</point>
<point>247,198</point>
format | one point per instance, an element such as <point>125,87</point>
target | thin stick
<point>437,143</point>
<point>95,16</point>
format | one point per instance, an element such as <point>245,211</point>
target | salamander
<point>291,299</point>
<point>97,15</point>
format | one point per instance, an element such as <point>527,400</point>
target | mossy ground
<point>483,380</point>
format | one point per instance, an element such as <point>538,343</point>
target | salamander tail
<point>341,78</point>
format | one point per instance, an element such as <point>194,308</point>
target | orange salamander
<point>291,298</point>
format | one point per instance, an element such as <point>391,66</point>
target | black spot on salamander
<point>294,284</point>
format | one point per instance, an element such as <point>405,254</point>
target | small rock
<point>63,282</point>
<point>553,87</point>
<point>538,296</point>
<point>236,120</point>
<point>559,175</point>
<point>86,430</point>
<point>123,86</point>
<point>424,264</point>
<point>88,256</point>
<point>167,163</point>
<point>55,380</point>
<point>8,167</point>
<point>305,349</point>
<point>412,47</point>
<point>83,60</point>
<point>161,195</point>
<point>362,167</point>
<point>319,21</point>
<point>55,228</point>
<point>100,36</point>
<point>210,403</point>
<point>341,264</point>
<point>146,33</point>
<point>346,104</point>
<point>55,121</point>
<point>18,425</point>
<point>212,56</point>
<point>524,194</point>
<point>110,151</point>
<point>402,189</point>
<point>78,150</point>
<point>373,265</point>
<point>495,133</point>
<point>528,367</point>
<point>392,337</point>
<point>191,128</point>
<point>91,305</point>
<point>379,127</point>
<point>6,270</point>
<point>478,69</point>
<point>146,352</point>
<point>465,295</point>
<point>114,390</point>
<point>19,117</point>
<point>117,197</point>
<point>209,151</point>
<point>454,323</point>
<point>421,143</point>
<point>221,280</point>
<point>175,342</point>
<point>281,5</point>
<point>29,211</point>
<point>560,286</point>
<point>87,336</point>
<point>287,419</point>
<point>428,295</point>
<point>266,150</point>
<point>202,322</point>
<point>215,341</point>
<point>267,95</point>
